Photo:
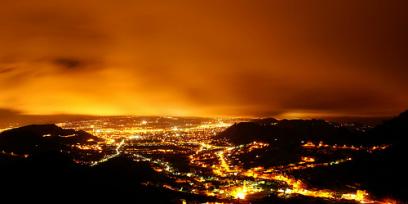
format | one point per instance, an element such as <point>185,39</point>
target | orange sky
<point>204,58</point>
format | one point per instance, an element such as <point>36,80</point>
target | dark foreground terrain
<point>34,164</point>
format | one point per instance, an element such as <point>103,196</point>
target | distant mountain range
<point>292,131</point>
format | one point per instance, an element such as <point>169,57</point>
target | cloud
<point>4,113</point>
<point>6,70</point>
<point>203,58</point>
<point>67,63</point>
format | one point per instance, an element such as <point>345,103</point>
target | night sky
<point>204,58</point>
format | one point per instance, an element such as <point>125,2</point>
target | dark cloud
<point>66,63</point>
<point>6,70</point>
<point>343,101</point>
<point>4,113</point>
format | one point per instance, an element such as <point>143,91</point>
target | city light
<point>216,169</point>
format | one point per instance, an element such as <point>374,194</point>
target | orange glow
<point>308,159</point>
<point>239,193</point>
<point>229,58</point>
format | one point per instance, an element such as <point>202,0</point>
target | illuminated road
<point>214,167</point>
<point>121,143</point>
<point>242,190</point>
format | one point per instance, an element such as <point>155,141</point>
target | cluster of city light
<point>7,128</point>
<point>107,158</point>
<point>12,154</point>
<point>94,147</point>
<point>225,170</point>
<point>322,145</point>
<point>215,169</point>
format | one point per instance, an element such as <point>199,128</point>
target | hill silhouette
<point>48,174</point>
<point>41,138</point>
<point>383,173</point>
<point>290,132</point>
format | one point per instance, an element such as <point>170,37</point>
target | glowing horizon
<point>230,58</point>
